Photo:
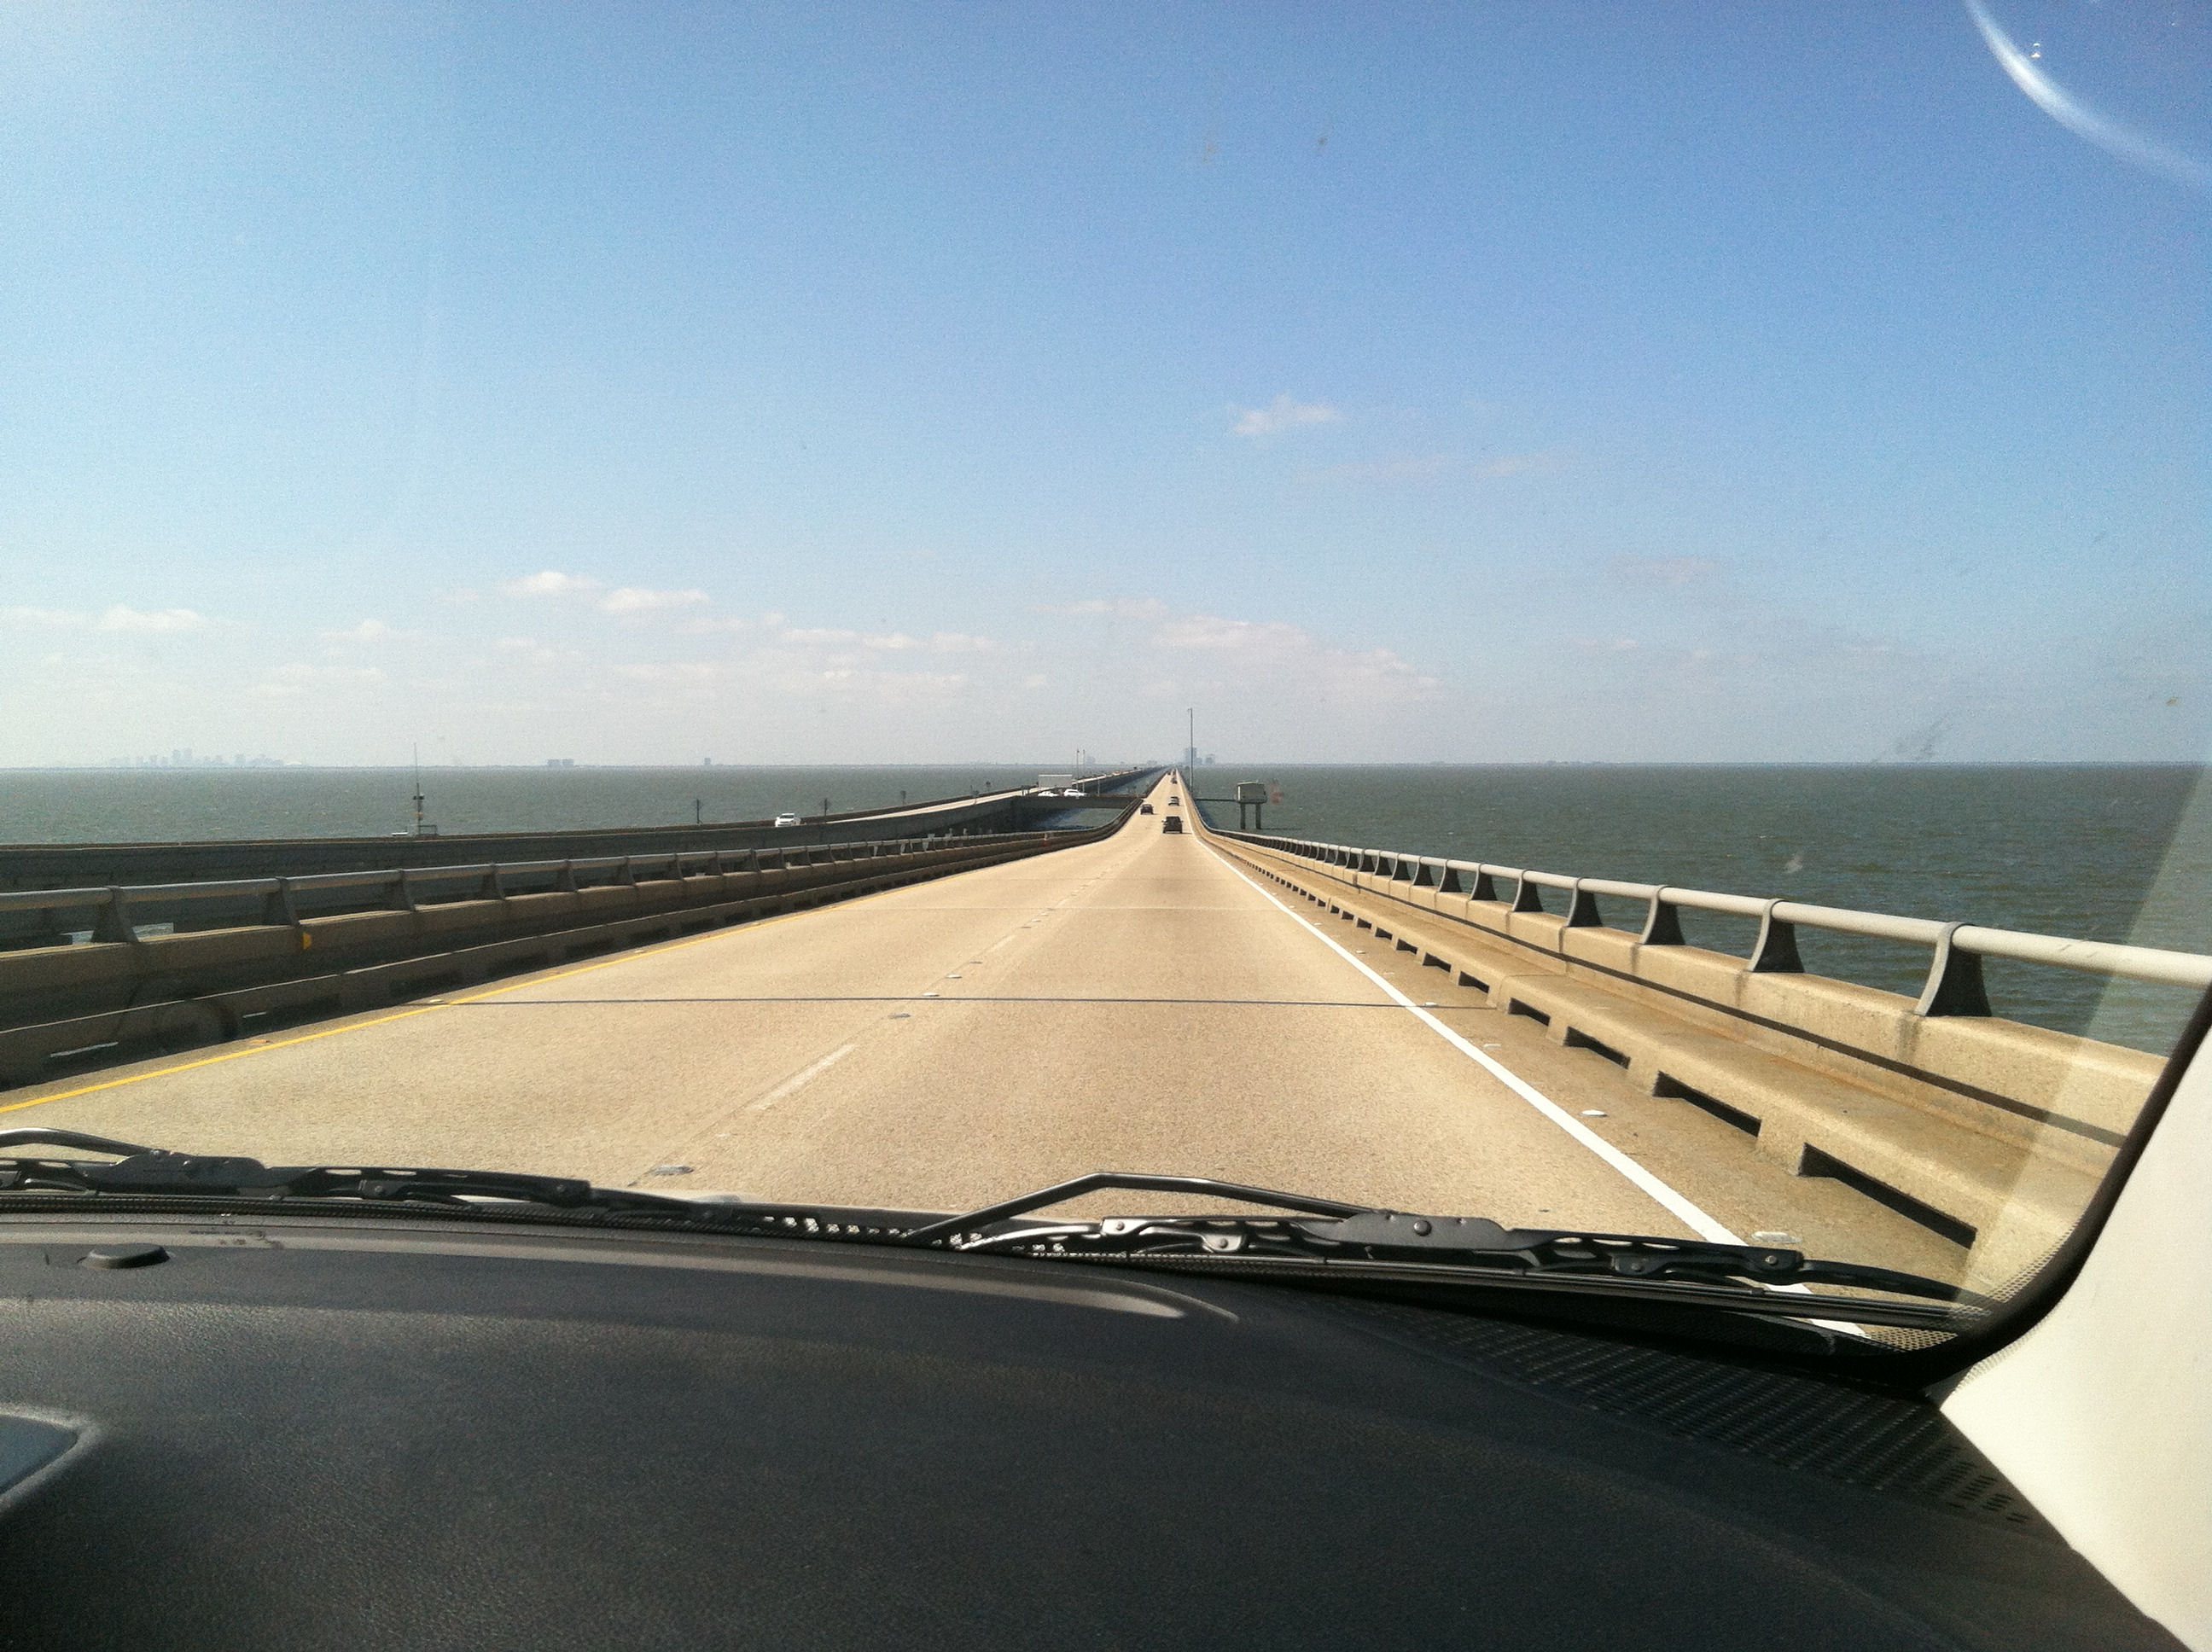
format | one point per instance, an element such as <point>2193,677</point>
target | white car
<point>786,820</point>
<point>1072,792</point>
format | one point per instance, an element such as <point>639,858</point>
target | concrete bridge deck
<point>1140,1003</point>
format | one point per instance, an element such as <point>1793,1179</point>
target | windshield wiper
<point>1324,1235</point>
<point>158,1171</point>
<point>226,1182</point>
<point>1328,1234</point>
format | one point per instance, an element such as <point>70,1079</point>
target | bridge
<point>50,866</point>
<point>937,1021</point>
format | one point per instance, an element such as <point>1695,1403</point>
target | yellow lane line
<point>627,956</point>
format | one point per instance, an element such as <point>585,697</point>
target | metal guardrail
<point>1954,986</point>
<point>401,888</point>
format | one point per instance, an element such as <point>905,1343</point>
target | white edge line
<point>1690,1214</point>
<point>1687,1213</point>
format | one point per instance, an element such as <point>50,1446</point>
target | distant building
<point>560,763</point>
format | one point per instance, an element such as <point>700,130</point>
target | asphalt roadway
<point>1139,1003</point>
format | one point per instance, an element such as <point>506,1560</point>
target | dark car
<point>1172,824</point>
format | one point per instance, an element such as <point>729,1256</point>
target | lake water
<point>2109,852</point>
<point>2102,852</point>
<point>139,805</point>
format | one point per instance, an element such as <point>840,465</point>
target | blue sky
<point>648,383</point>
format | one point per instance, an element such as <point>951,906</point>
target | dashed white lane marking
<point>798,1081</point>
<point>1691,1216</point>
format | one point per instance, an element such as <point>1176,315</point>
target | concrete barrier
<point>59,866</point>
<point>124,990</point>
<point>1991,1132</point>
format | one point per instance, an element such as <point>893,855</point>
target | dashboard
<point>417,1433</point>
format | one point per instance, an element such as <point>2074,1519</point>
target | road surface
<point>1138,1004</point>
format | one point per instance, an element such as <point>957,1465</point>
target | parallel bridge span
<point>174,964</point>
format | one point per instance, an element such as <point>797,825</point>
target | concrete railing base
<point>2006,1192</point>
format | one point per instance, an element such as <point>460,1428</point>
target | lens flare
<point>2136,148</point>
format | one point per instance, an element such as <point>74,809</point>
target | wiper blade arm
<point>157,1170</point>
<point>158,1173</point>
<point>1133,1182</point>
<point>34,1136</point>
<point>1355,1233</point>
<point>1627,1255</point>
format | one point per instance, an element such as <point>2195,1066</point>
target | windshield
<point>1591,616</point>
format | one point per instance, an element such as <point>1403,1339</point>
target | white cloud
<point>637,599</point>
<point>623,599</point>
<point>694,673</point>
<point>1205,631</point>
<point>297,678</point>
<point>893,642</point>
<point>157,621</point>
<point>532,651</point>
<point>1269,661</point>
<point>844,679</point>
<point>1121,608</point>
<point>1286,661</point>
<point>119,618</point>
<point>1280,415</point>
<point>551,583</point>
<point>370,631</point>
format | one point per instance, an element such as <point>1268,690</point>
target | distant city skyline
<point>1585,382</point>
